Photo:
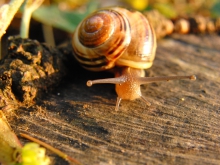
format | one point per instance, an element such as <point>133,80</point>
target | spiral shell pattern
<point>114,36</point>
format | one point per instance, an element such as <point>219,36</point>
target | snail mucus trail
<point>120,39</point>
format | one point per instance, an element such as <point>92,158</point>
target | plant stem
<point>29,8</point>
<point>25,23</point>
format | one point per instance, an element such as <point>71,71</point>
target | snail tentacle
<point>129,81</point>
<point>118,103</point>
<point>122,40</point>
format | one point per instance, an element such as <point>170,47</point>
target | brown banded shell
<point>119,37</point>
<point>114,36</point>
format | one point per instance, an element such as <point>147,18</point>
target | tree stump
<point>182,126</point>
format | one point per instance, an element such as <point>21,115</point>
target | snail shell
<point>114,37</point>
<point>118,37</point>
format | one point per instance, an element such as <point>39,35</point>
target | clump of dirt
<point>28,71</point>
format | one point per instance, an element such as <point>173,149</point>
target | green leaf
<point>216,9</point>
<point>166,9</point>
<point>65,20</point>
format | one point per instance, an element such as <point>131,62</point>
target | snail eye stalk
<point>128,84</point>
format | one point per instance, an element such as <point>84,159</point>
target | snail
<point>121,40</point>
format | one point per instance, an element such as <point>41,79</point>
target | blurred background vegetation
<point>62,16</point>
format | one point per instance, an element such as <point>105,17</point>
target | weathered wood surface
<point>182,126</point>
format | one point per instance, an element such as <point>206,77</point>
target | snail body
<point>122,39</point>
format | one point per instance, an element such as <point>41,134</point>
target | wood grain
<point>182,126</point>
